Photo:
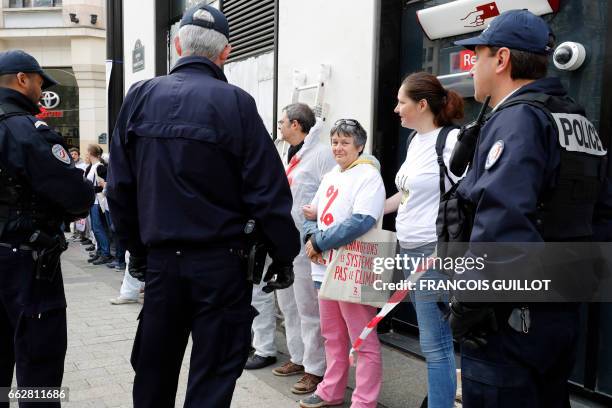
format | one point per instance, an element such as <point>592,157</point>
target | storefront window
<point>34,3</point>
<point>60,105</point>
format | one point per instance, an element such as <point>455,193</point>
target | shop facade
<point>68,39</point>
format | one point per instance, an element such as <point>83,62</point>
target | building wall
<point>342,37</point>
<point>142,12</point>
<point>256,76</point>
<point>56,41</point>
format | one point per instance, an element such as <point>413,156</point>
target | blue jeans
<point>99,231</point>
<point>119,250</point>
<point>435,334</point>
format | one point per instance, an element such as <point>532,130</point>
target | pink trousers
<point>341,324</point>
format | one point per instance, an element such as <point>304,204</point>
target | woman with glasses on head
<point>425,106</point>
<point>349,201</point>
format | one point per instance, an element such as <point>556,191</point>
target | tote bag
<point>351,272</point>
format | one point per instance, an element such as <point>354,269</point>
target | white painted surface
<point>342,37</point>
<point>466,16</point>
<point>256,76</point>
<point>138,24</point>
<point>39,19</point>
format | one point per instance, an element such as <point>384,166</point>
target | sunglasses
<point>349,122</point>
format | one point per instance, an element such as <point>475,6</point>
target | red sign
<point>489,10</point>
<point>467,59</point>
<point>44,114</point>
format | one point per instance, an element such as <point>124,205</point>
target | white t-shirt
<point>359,190</point>
<point>91,176</point>
<point>419,182</point>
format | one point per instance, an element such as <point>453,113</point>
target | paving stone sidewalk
<point>100,336</point>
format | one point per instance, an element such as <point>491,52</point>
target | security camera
<point>569,56</point>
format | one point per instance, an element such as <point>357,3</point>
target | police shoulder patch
<point>494,154</point>
<point>60,153</point>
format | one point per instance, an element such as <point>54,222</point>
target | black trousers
<point>523,370</point>
<point>32,343</point>
<point>205,293</point>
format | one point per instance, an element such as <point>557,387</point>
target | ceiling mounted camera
<point>569,56</point>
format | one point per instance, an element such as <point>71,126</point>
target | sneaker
<point>120,267</point>
<point>122,301</point>
<point>288,369</point>
<point>86,241</point>
<point>102,260</point>
<point>256,362</point>
<point>307,384</point>
<point>91,248</point>
<point>93,258</point>
<point>112,265</point>
<point>314,401</point>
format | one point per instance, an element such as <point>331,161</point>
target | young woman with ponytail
<point>425,106</point>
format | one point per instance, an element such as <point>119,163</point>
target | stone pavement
<point>100,336</point>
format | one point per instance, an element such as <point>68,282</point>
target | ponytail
<point>452,109</point>
<point>446,105</point>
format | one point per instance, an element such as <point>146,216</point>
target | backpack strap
<point>440,143</point>
<point>409,140</point>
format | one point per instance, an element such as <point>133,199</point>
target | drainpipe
<point>114,57</point>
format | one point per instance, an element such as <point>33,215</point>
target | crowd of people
<point>314,325</point>
<point>97,232</point>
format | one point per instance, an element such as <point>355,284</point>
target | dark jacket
<point>36,155</point>
<point>192,162</point>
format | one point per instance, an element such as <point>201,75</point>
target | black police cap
<point>219,23</point>
<point>15,61</point>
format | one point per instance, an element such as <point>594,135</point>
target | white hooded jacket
<point>306,170</point>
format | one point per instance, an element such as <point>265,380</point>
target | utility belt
<point>46,251</point>
<point>251,249</point>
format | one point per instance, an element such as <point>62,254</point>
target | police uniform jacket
<point>506,194</point>
<point>35,157</point>
<point>517,166</point>
<point>191,162</point>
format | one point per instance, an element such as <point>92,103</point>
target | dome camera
<point>569,56</point>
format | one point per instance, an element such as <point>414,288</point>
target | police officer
<point>534,178</point>
<point>40,189</point>
<point>192,164</point>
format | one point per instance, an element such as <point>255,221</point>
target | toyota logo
<point>49,100</point>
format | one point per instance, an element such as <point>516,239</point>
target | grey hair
<point>357,132</point>
<point>200,41</point>
<point>303,114</point>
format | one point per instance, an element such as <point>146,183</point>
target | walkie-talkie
<point>463,153</point>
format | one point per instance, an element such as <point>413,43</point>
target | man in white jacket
<point>306,161</point>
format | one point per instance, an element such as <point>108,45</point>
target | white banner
<point>466,16</point>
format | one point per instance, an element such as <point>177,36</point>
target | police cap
<point>194,16</point>
<point>515,29</point>
<point>15,61</point>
